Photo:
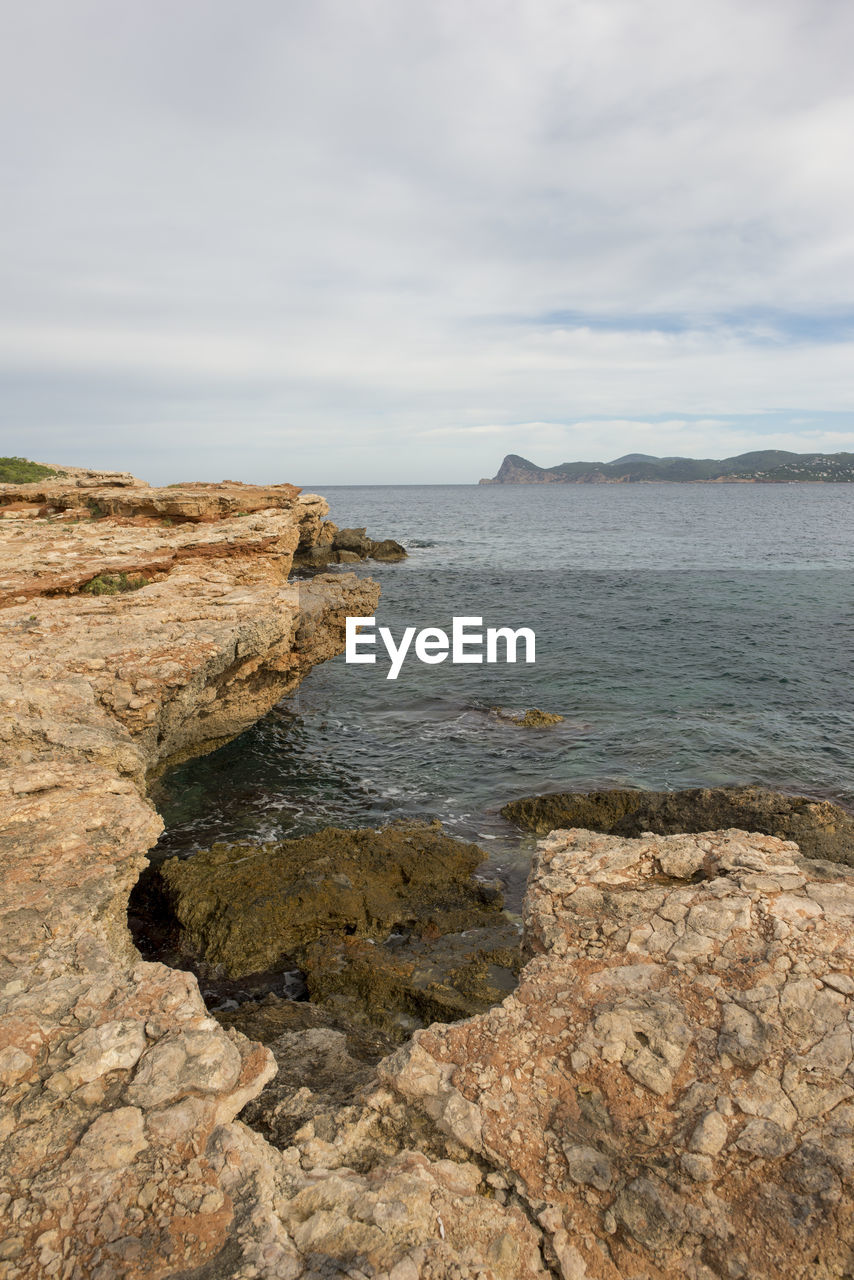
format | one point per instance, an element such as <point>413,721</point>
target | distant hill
<point>764,466</point>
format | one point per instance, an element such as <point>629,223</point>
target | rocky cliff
<point>137,625</point>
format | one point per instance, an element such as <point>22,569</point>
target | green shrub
<point>114,584</point>
<point>22,471</point>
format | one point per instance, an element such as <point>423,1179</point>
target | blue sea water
<point>691,635</point>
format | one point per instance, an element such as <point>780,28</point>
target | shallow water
<point>689,634</point>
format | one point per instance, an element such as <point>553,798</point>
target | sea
<point>688,634</point>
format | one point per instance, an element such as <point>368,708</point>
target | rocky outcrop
<point>517,470</point>
<point>390,928</point>
<point>671,1087</point>
<point>408,982</point>
<point>669,1092</point>
<point>821,829</point>
<point>345,546</point>
<point>762,466</point>
<point>244,908</point>
<point>94,494</point>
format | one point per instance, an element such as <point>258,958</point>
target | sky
<point>390,241</point>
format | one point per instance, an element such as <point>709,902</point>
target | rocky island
<point>657,1083</point>
<point>763,466</point>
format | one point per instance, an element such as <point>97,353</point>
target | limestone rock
<point>671,1086</point>
<point>387,549</point>
<point>117,1091</point>
<point>331,545</point>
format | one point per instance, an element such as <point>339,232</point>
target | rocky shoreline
<point>667,1092</point>
<point>820,829</point>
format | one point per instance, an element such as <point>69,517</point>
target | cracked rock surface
<point>113,1078</point>
<point>670,1088</point>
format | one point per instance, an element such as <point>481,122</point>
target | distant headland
<point>765,466</point>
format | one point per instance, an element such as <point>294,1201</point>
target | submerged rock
<point>409,982</point>
<point>821,829</point>
<point>244,908</point>
<point>671,1088</point>
<point>533,718</point>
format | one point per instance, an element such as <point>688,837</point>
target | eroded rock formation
<point>821,829</point>
<point>346,546</point>
<point>113,1076</point>
<point>671,1086</point>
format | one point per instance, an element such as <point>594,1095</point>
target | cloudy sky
<point>354,241</point>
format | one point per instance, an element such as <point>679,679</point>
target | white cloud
<point>341,218</point>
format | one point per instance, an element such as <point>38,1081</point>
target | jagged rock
<point>821,829</point>
<point>370,1188</point>
<point>317,1075</point>
<point>331,545</point>
<point>671,1086</point>
<point>244,908</point>
<point>387,549</point>
<point>352,540</point>
<point>273,1016</point>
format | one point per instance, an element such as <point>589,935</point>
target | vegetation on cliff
<point>22,471</point>
<point>114,584</point>
<point>764,466</point>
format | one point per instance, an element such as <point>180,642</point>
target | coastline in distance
<point>764,466</point>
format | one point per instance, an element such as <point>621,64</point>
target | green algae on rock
<point>114,584</point>
<point>533,718</point>
<point>245,908</point>
<point>406,983</point>
<point>819,828</point>
<point>23,471</point>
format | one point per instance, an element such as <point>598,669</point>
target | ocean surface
<point>690,635</point>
